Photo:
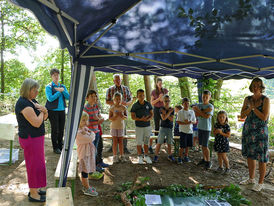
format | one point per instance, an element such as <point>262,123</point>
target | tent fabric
<point>80,82</point>
<point>150,39</point>
<point>154,26</point>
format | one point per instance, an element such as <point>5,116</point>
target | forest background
<point>27,51</point>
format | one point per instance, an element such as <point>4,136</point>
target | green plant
<point>230,193</point>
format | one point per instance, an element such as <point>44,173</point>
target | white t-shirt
<point>186,115</point>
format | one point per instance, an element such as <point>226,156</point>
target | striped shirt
<point>93,111</point>
<point>124,90</point>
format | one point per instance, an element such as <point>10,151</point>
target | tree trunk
<point>126,80</point>
<point>184,87</point>
<point>2,57</point>
<point>62,66</point>
<point>216,97</point>
<point>218,87</point>
<point>93,86</point>
<point>147,87</point>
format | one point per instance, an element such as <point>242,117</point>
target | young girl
<point>221,143</point>
<point>86,154</point>
<point>117,115</point>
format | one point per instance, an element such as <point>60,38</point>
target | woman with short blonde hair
<point>30,117</point>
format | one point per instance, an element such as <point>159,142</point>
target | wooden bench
<point>108,136</point>
<point>71,172</point>
<point>60,196</point>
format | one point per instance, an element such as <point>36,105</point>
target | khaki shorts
<point>142,135</point>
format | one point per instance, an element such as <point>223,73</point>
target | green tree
<point>18,28</point>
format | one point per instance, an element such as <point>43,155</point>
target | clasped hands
<point>59,89</point>
<point>41,108</point>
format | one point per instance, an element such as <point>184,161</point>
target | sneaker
<point>89,192</point>
<point>179,161</point>
<point>104,165</point>
<point>115,159</point>
<point>202,162</point>
<point>219,170</point>
<point>227,171</point>
<point>123,158</point>
<point>150,150</point>
<point>95,176</point>
<point>208,165</point>
<point>186,159</point>
<point>155,159</point>
<point>171,158</point>
<point>140,160</point>
<point>257,187</point>
<point>247,182</point>
<point>147,159</point>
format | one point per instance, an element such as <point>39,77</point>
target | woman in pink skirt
<point>30,117</point>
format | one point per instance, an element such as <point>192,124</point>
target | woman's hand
<point>59,89</point>
<point>41,108</point>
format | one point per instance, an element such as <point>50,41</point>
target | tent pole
<point>97,39</point>
<point>59,17</point>
<point>56,9</point>
<point>117,17</point>
<point>240,65</point>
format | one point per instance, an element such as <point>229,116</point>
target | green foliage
<point>230,193</point>
<point>271,130</point>
<point>269,84</point>
<point>16,73</point>
<point>18,29</point>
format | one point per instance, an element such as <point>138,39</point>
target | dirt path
<point>14,188</point>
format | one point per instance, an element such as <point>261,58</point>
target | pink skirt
<point>35,161</point>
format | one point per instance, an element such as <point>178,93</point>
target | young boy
<point>95,118</point>
<point>142,113</point>
<point>166,125</point>
<point>204,113</point>
<point>177,108</point>
<point>185,119</point>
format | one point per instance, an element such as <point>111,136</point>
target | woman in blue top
<point>256,109</point>
<point>56,103</point>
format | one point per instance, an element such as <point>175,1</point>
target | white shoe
<point>247,182</point>
<point>115,159</point>
<point>147,160</point>
<point>140,160</point>
<point>257,187</point>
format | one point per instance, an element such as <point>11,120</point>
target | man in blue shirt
<point>57,94</point>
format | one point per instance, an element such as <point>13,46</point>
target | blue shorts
<point>186,140</point>
<point>203,136</point>
<point>165,132</point>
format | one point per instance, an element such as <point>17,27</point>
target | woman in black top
<point>30,117</point>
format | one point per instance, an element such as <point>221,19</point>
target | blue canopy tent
<point>150,39</point>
